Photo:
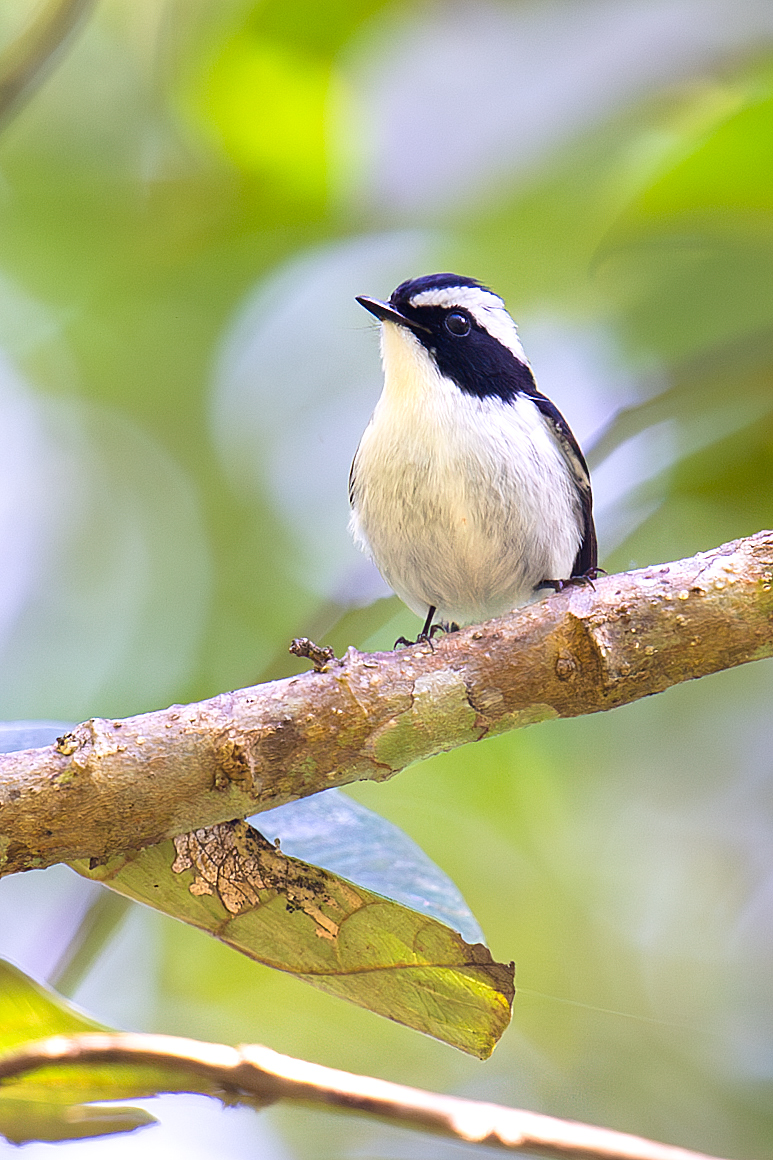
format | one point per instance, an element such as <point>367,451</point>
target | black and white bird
<point>468,488</point>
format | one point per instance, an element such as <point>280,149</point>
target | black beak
<point>386,313</point>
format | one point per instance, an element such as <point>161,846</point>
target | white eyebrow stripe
<point>487,309</point>
<point>469,297</point>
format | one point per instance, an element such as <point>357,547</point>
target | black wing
<point>587,557</point>
<point>351,480</point>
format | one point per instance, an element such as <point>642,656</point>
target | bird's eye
<point>458,324</point>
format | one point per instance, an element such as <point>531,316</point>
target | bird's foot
<point>574,581</point>
<point>426,636</point>
<point>422,638</point>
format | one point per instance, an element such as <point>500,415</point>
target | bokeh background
<point>188,205</point>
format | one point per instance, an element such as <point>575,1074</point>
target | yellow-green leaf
<point>48,1104</point>
<point>339,937</point>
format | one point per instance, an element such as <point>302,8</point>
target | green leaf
<point>31,1011</point>
<point>341,938</point>
<point>48,1104</point>
<point>32,1118</point>
<point>335,832</point>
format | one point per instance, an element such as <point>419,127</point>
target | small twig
<point>260,1075</point>
<point>27,61</point>
<point>319,656</point>
<point>98,925</point>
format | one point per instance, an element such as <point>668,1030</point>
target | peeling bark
<point>109,786</point>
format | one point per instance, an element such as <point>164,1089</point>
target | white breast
<point>464,503</point>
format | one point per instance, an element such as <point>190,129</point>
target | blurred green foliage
<point>179,156</point>
<point>48,1104</point>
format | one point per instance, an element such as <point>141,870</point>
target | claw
<point>428,633</point>
<point>574,581</point>
<point>422,638</point>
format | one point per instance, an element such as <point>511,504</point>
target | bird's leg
<point>586,577</point>
<point>426,634</point>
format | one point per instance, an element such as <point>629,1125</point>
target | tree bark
<point>110,786</point>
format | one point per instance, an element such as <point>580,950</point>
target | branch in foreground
<point>263,1076</point>
<point>111,786</point>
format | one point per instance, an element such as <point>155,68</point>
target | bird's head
<point>458,328</point>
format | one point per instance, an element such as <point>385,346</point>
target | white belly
<point>465,504</point>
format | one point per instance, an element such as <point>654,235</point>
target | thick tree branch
<point>260,1075</point>
<point>120,785</point>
